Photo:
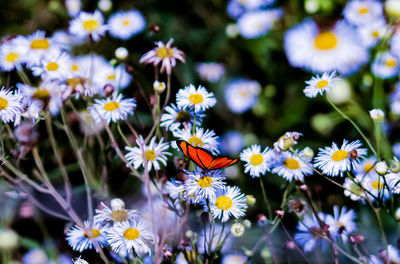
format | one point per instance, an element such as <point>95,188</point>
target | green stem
<point>266,199</point>
<point>122,135</point>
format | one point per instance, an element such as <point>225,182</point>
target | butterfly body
<point>203,158</point>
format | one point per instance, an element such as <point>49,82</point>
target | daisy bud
<point>121,53</point>
<point>205,217</point>
<point>237,230</point>
<point>280,213</point>
<point>117,204</point>
<point>311,6</point>
<point>397,214</point>
<point>105,5</point>
<point>265,253</point>
<point>8,239</point>
<point>381,168</point>
<point>290,244</point>
<point>232,30</point>
<point>247,223</point>
<point>248,253</point>
<point>356,239</point>
<point>108,90</point>
<point>167,254</point>
<point>377,115</point>
<point>154,29</point>
<point>250,199</point>
<point>159,87</point>
<point>395,166</point>
<point>80,261</point>
<point>340,92</point>
<point>392,8</point>
<point>308,152</point>
<point>189,233</point>
<point>261,219</point>
<point>303,188</point>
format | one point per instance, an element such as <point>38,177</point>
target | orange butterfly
<point>203,158</point>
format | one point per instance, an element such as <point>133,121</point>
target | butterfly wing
<point>200,156</point>
<point>222,162</point>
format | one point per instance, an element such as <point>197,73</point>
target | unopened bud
<point>356,239</point>
<point>247,223</point>
<point>392,8</point>
<point>189,233</point>
<point>279,213</point>
<point>117,204</point>
<point>154,29</point>
<point>381,167</point>
<point>248,253</point>
<point>262,219</point>
<point>377,115</point>
<point>290,244</point>
<point>237,230</point>
<point>303,188</point>
<point>395,166</point>
<point>265,253</point>
<point>308,152</point>
<point>397,214</point>
<point>159,87</point>
<point>250,199</point>
<point>108,90</point>
<point>121,53</point>
<point>105,5</point>
<point>167,254</point>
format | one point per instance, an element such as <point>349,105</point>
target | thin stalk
<point>266,199</point>
<point>122,135</point>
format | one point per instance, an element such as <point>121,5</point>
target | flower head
<point>88,24</point>
<point>204,186</point>
<point>11,106</point>
<point>197,99</point>
<point>229,202</point>
<point>257,161</point>
<point>112,108</point>
<point>124,25</point>
<point>80,240</point>
<point>320,84</point>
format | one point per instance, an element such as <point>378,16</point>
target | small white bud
<point>308,152</point>
<point>232,30</point>
<point>8,239</point>
<point>189,233</point>
<point>381,168</point>
<point>377,114</point>
<point>311,6</point>
<point>159,87</point>
<point>80,261</point>
<point>105,5</point>
<point>397,214</point>
<point>247,223</point>
<point>237,230</point>
<point>392,7</point>
<point>340,92</point>
<point>121,53</point>
<point>116,204</point>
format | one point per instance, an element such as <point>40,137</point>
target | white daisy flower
<point>79,240</point>
<point>285,142</point>
<point>163,53</point>
<point>204,186</point>
<point>114,215</point>
<point>320,84</point>
<point>153,154</point>
<point>229,202</point>
<point>118,77</point>
<point>333,161</point>
<point>377,114</point>
<point>112,108</point>
<point>175,189</point>
<point>363,12</point>
<point>389,255</point>
<point>128,237</point>
<point>338,49</point>
<point>257,23</point>
<point>372,33</point>
<point>375,184</point>
<point>241,95</point>
<point>210,71</point>
<point>393,181</point>
<point>310,234</point>
<point>86,24</point>
<point>237,8</point>
<point>341,224</point>
<point>198,99</point>
<point>353,189</point>
<point>175,117</point>
<point>205,139</point>
<point>80,261</point>
<point>11,106</point>
<point>53,65</point>
<point>11,56</point>
<point>366,166</point>
<point>124,25</point>
<point>231,142</point>
<point>257,161</point>
<point>290,166</point>
<point>385,65</point>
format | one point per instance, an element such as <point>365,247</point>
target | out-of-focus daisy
<point>375,184</point>
<point>80,261</point>
<point>320,84</point>
<point>176,117</point>
<point>165,54</point>
<point>257,23</point>
<point>118,77</point>
<point>114,215</point>
<point>291,166</point>
<point>353,189</point>
<point>73,7</point>
<point>198,99</point>
<point>229,202</point>
<point>373,32</point>
<point>311,48</point>
<point>175,189</point>
<point>333,161</point>
<point>389,255</point>
<point>257,161</point>
<point>128,237</point>
<point>241,95</point>
<point>86,24</point>
<point>310,233</point>
<point>234,259</point>
<point>53,65</point>
<point>124,25</point>
<point>231,142</point>
<point>363,12</point>
<point>35,256</point>
<point>393,181</point>
<point>153,154</point>
<point>204,186</point>
<point>210,71</point>
<point>66,41</point>
<point>112,108</point>
<point>11,106</point>
<point>205,139</point>
<point>341,224</point>
<point>395,44</point>
<point>385,65</point>
<point>237,8</point>
<point>79,240</point>
<point>11,56</point>
<point>366,166</point>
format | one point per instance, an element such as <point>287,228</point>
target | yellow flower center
<point>363,10</point>
<point>195,141</point>
<point>243,93</point>
<point>183,116</point>
<point>90,25</point>
<point>3,103</point>
<point>256,159</point>
<point>196,99</point>
<point>223,202</point>
<point>111,77</point>
<point>375,34</point>
<point>164,52</point>
<point>291,164</point>
<point>377,185</point>
<point>119,215</point>
<point>325,41</point>
<point>150,155</point>
<point>41,94</point>
<point>74,67</point>
<point>321,84</point>
<point>340,155</point>
<point>11,57</point>
<point>205,182</point>
<point>125,22</point>
<point>95,233</point>
<point>40,44</point>
<point>52,66</point>
<point>131,234</point>
<point>391,63</point>
<point>111,106</point>
<point>368,167</point>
